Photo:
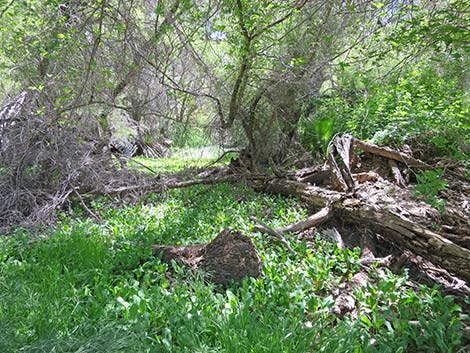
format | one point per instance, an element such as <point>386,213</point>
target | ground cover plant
<point>96,287</point>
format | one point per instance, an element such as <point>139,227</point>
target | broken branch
<point>264,228</point>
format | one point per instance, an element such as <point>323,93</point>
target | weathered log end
<point>231,256</point>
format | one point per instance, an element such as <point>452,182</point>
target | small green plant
<point>430,183</point>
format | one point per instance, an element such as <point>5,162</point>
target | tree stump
<point>231,256</point>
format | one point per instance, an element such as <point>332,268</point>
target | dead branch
<point>176,183</point>
<point>264,228</point>
<point>396,228</point>
<point>389,153</point>
<point>85,207</point>
<point>313,220</point>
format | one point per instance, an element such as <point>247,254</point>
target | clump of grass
<point>97,288</point>
<point>167,165</point>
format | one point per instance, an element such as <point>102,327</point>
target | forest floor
<point>94,285</point>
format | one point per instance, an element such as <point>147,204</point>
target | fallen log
<point>389,154</point>
<point>231,256</point>
<point>161,183</point>
<point>394,227</point>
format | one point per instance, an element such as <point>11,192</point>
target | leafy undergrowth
<point>91,287</point>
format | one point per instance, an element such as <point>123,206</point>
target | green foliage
<point>192,137</point>
<point>97,288</point>
<point>407,83</point>
<point>187,158</point>
<point>168,165</point>
<point>430,183</point>
<point>317,130</point>
<point>421,105</point>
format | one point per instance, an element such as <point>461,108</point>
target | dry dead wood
<point>345,302</point>
<point>313,220</point>
<point>277,234</point>
<point>394,222</point>
<point>396,173</point>
<point>339,161</point>
<point>167,183</point>
<point>231,256</point>
<point>389,154</point>
<point>396,228</point>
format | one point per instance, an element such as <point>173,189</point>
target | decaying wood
<point>343,147</point>
<point>313,220</point>
<point>365,199</point>
<point>362,178</point>
<point>317,178</point>
<point>316,219</point>
<point>389,153</point>
<point>396,173</point>
<point>314,196</point>
<point>231,256</point>
<point>277,234</point>
<point>396,228</point>
<point>316,175</point>
<point>167,183</point>
<point>340,148</point>
<point>427,273</point>
<point>345,302</point>
<point>416,238</point>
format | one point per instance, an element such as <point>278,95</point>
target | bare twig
<point>143,165</point>
<point>220,158</point>
<point>85,207</point>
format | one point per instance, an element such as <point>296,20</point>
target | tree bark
<point>230,257</point>
<point>394,227</point>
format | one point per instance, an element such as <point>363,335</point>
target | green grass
<point>167,165</point>
<point>91,287</point>
<point>182,159</point>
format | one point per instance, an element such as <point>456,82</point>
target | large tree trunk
<point>396,228</point>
